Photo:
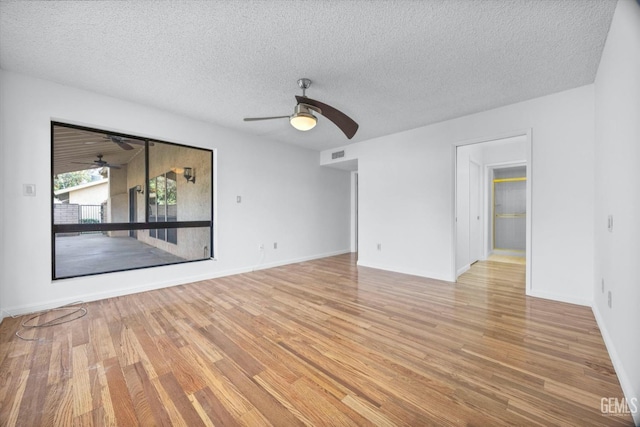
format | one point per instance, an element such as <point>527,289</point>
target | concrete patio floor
<point>96,253</point>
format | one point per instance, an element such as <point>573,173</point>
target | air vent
<point>337,154</point>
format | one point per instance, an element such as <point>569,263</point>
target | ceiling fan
<point>303,118</point>
<point>99,163</point>
<point>124,143</point>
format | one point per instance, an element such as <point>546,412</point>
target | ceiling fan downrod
<point>304,84</point>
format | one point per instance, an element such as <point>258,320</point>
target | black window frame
<point>127,226</point>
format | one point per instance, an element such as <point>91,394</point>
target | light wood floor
<point>316,343</point>
<point>508,259</point>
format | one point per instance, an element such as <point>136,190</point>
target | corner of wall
<point>2,197</point>
<point>627,386</point>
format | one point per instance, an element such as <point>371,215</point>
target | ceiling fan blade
<point>136,142</point>
<point>111,166</point>
<point>124,145</point>
<point>340,119</point>
<point>255,119</point>
<point>119,141</point>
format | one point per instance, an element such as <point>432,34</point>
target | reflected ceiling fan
<point>303,118</point>
<point>124,143</point>
<point>99,163</point>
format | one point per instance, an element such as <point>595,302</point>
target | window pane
<point>85,254</point>
<point>174,163</point>
<point>97,177</point>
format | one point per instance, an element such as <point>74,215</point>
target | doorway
<point>489,222</point>
<point>509,211</point>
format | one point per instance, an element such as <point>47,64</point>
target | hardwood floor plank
<point>280,389</point>
<point>318,408</point>
<point>60,362</point>
<point>144,399</point>
<point>81,382</point>
<point>120,398</point>
<point>175,396</point>
<point>59,407</point>
<point>268,406</point>
<point>10,378</point>
<point>369,412</point>
<point>214,408</point>
<point>187,374</point>
<point>322,342</point>
<point>14,403</point>
<point>104,412</point>
<point>232,350</point>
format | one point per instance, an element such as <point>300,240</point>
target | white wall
<point>286,196</point>
<point>407,182</point>
<point>3,180</point>
<point>617,192</point>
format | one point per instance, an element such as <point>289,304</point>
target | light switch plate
<point>29,190</point>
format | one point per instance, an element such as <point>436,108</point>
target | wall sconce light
<point>139,189</point>
<point>190,174</point>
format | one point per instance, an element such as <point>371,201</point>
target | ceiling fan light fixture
<point>302,119</point>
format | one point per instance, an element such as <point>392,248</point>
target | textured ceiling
<point>390,65</point>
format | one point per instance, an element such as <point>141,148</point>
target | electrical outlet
<point>379,246</point>
<point>238,199</point>
<point>610,223</point>
<point>275,245</point>
<point>609,299</point>
<point>603,285</point>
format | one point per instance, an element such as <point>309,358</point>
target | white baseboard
<point>462,270</point>
<point>410,271</point>
<point>95,296</point>
<point>558,297</point>
<point>625,382</point>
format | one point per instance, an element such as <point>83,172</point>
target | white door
<point>475,209</point>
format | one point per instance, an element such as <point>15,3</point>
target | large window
<point>122,202</point>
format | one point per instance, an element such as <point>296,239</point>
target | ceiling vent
<point>337,155</point>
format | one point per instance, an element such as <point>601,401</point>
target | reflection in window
<point>134,185</point>
<point>163,205</point>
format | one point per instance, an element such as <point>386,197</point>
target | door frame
<point>527,133</point>
<point>354,212</point>
<point>481,213</point>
